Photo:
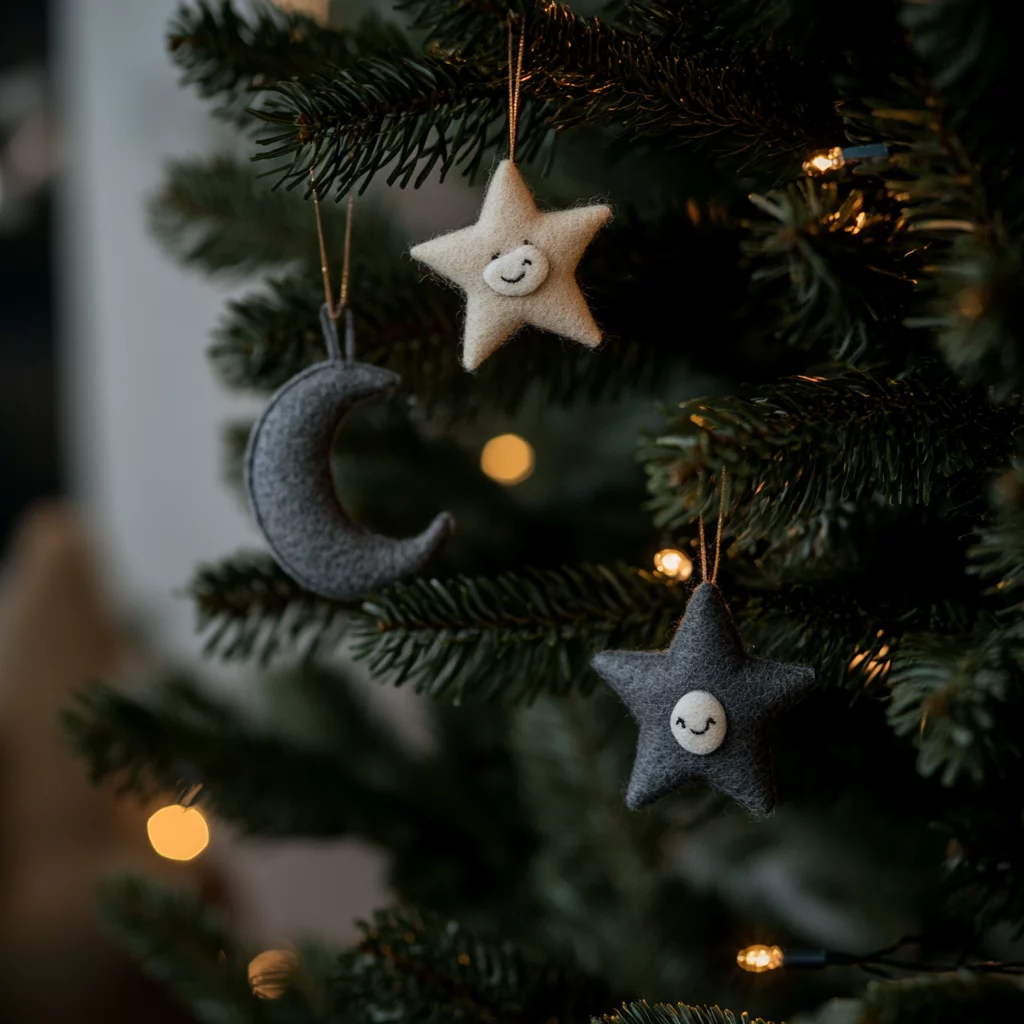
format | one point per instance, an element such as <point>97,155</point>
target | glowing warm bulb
<point>673,563</point>
<point>507,459</point>
<point>758,959</point>
<point>270,972</point>
<point>822,163</point>
<point>177,832</point>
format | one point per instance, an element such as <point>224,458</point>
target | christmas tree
<point>812,299</point>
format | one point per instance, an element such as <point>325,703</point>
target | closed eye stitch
<point>696,732</point>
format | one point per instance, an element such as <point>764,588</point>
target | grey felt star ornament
<point>703,707</point>
<point>517,266</point>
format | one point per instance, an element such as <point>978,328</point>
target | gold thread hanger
<point>515,81</point>
<point>333,311</point>
<point>718,540</point>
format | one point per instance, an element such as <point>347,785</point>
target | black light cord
<point>882,962</point>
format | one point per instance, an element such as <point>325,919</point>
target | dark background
<point>29,463</point>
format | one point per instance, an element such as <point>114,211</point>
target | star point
<point>533,257</point>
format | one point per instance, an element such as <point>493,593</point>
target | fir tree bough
<point>445,111</point>
<point>856,337</point>
<point>514,636</point>
<point>806,445</point>
<point>675,1013</point>
<point>407,965</point>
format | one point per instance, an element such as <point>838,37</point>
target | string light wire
<point>882,962</point>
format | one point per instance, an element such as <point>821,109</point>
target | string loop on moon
<point>330,328</point>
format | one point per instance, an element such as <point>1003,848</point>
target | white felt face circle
<point>698,722</point>
<point>519,272</point>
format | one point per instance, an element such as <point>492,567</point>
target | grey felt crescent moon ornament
<point>291,490</point>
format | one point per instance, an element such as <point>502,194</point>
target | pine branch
<point>178,734</point>
<point>413,326</point>
<point>221,216</point>
<point>410,115</point>
<point>674,1013</point>
<point>514,636</point>
<point>975,68</point>
<point>985,859</point>
<point>599,871</point>
<point>217,215</point>
<point>319,762</point>
<point>942,999</point>
<point>998,554</point>
<point>178,942</point>
<point>249,608</point>
<point>957,697</point>
<point>415,967</point>
<point>447,110</point>
<point>808,444</point>
<point>849,629</point>
<point>408,965</point>
<point>978,313</point>
<point>824,258</point>
<point>969,283</point>
<point>545,626</point>
<point>231,57</point>
<point>688,72</point>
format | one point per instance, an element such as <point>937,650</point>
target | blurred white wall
<point>142,409</point>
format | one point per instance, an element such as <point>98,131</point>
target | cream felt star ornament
<point>517,266</point>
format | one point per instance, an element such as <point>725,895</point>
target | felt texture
<point>291,490</point>
<point>509,221</point>
<point>706,654</point>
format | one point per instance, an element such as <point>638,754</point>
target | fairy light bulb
<point>838,157</point>
<point>822,163</point>
<point>270,972</point>
<point>177,832</point>
<point>673,563</point>
<point>508,459</point>
<point>758,959</point>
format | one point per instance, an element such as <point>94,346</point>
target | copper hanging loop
<point>703,550</point>
<point>718,535</point>
<point>718,539</point>
<point>515,80</point>
<point>331,312</point>
<point>343,294</point>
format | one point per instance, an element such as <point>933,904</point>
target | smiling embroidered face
<point>698,722</point>
<point>519,272</point>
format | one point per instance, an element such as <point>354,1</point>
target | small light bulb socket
<point>805,959</point>
<point>839,157</point>
<point>858,154</point>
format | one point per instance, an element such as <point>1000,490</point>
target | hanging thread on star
<point>718,538</point>
<point>514,86</point>
<point>703,706</point>
<point>516,264</point>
